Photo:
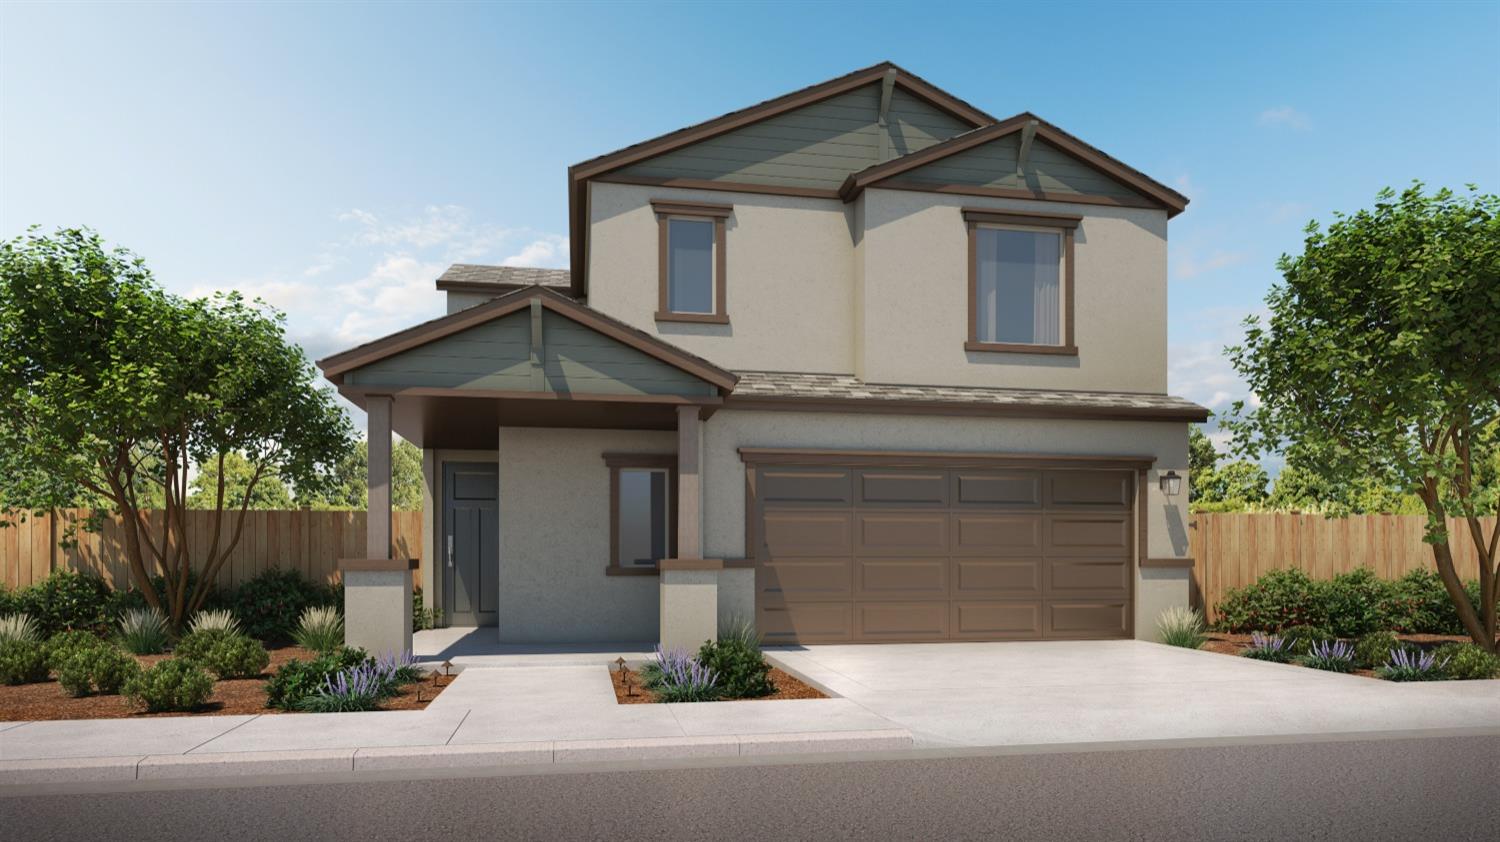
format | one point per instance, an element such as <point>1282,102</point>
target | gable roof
<point>473,277</point>
<point>335,366</point>
<point>580,173</point>
<point>1171,200</point>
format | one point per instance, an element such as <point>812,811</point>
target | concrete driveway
<point>1031,693</point>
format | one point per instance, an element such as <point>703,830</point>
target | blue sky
<point>334,158</point>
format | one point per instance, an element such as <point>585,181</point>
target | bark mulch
<point>1235,644</point>
<point>46,700</point>
<point>787,687</point>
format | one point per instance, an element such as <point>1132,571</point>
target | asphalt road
<point>1400,787</point>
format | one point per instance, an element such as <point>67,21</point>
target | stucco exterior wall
<point>554,538</point>
<point>729,430</point>
<point>789,267</point>
<point>914,271</point>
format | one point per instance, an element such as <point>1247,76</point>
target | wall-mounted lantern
<point>1171,483</point>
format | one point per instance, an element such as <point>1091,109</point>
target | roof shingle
<point>473,274</point>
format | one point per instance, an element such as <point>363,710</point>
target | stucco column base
<point>689,602</point>
<point>1160,588</point>
<point>377,604</point>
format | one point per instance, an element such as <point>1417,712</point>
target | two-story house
<point>861,362</point>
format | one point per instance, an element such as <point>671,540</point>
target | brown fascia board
<point>965,408</point>
<point>1171,200</point>
<point>335,366</point>
<point>580,173</point>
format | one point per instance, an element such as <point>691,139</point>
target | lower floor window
<point>643,512</point>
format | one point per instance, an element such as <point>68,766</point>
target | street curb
<point>161,767</point>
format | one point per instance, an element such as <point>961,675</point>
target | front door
<point>471,546</point>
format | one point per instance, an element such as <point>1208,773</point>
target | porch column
<point>689,583</point>
<point>377,588</point>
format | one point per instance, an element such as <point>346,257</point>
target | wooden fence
<point>1232,550</point>
<point>310,542</point>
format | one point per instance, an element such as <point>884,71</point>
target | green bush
<point>22,662</point>
<point>67,600</point>
<point>143,631</point>
<point>1277,600</point>
<point>296,679</point>
<point>194,645</point>
<point>269,605</point>
<point>64,645</point>
<point>1357,603</point>
<point>235,656</point>
<point>1374,649</point>
<point>171,684</point>
<point>9,604</point>
<point>1467,662</point>
<point>741,669</point>
<point>1299,639</point>
<point>423,618</point>
<point>103,670</point>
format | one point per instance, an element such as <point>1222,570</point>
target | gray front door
<point>471,531</point>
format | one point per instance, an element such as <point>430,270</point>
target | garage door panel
<point>812,622</point>
<point>1087,534</point>
<point>997,489</point>
<point>901,534</point>
<point>1077,575</point>
<point>1088,489</point>
<point>792,486</point>
<point>805,533</point>
<point>902,488</point>
<point>1086,619</point>
<point>976,578</point>
<point>901,620</point>
<point>805,579</point>
<point>996,534</point>
<point>900,578</point>
<point>994,620</point>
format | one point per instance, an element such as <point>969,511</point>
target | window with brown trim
<point>642,511</point>
<point>1020,282</point>
<point>691,262</point>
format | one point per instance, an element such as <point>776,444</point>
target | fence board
<point>1231,550</point>
<point>310,542</point>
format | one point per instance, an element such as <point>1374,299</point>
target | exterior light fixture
<point>1171,483</point>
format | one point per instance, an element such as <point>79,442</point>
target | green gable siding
<point>993,164</point>
<point>496,355</point>
<point>815,146</point>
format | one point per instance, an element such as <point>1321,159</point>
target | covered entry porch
<point>553,439</point>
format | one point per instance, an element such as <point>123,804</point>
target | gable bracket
<point>887,87</point>
<point>1028,134</point>
<point>538,374</point>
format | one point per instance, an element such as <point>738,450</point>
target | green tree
<point>1237,483</point>
<point>347,487</point>
<point>110,385</point>
<point>1202,458</point>
<point>1381,358</point>
<point>237,472</point>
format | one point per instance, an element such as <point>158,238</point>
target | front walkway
<point>1027,693</point>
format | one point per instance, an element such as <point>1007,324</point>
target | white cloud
<point>549,252</point>
<point>1185,186</point>
<point>1188,265</point>
<point>1285,115</point>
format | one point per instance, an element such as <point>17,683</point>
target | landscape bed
<point>1224,643</point>
<point>787,686</point>
<point>46,700</point>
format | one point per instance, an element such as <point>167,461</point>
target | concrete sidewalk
<point>487,717</point>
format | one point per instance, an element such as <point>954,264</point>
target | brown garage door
<point>867,554</point>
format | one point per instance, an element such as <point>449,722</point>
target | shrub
<point>1413,665</point>
<point>1181,626</point>
<point>1357,602</point>
<point>9,603</point>
<point>320,629</point>
<point>1279,599</point>
<point>64,645</point>
<point>269,605</point>
<point>296,679</point>
<point>1419,604</point>
<point>397,670</point>
<point>171,684</point>
<point>22,662</point>
<point>195,645</point>
<point>423,618</point>
<point>215,620</point>
<point>1299,639</point>
<point>1374,649</point>
<point>17,627</point>
<point>736,659</point>
<point>143,631</point>
<point>1268,647</point>
<point>1330,655</point>
<point>360,687</point>
<point>683,678</point>
<point>234,656</point>
<point>102,669</point>
<point>1467,662</point>
<point>66,601</point>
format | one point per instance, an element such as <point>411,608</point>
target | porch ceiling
<point>471,422</point>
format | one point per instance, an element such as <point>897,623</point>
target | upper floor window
<point>1020,282</point>
<point>692,263</point>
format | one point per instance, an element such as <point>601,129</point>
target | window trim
<point>666,210</point>
<point>974,219</point>
<point>644,461</point>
